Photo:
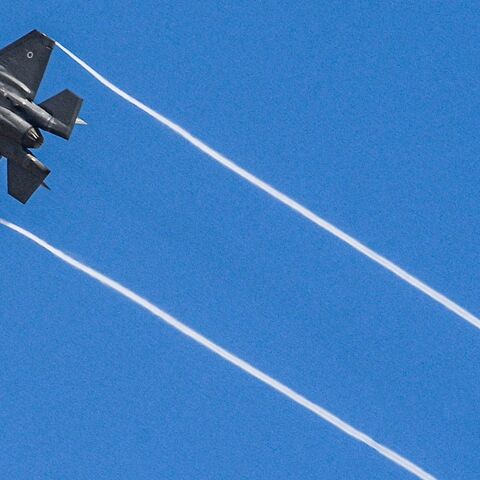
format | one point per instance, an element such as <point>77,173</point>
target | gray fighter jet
<point>22,67</point>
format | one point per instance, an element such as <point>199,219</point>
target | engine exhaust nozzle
<point>32,138</point>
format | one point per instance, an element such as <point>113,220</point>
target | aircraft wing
<point>26,60</point>
<point>23,182</point>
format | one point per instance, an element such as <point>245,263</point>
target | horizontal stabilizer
<point>64,107</point>
<point>23,182</point>
<point>80,121</point>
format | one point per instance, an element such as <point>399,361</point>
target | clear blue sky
<point>367,113</point>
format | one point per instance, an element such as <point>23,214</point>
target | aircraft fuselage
<point>22,67</point>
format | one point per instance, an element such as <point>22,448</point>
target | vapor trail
<point>281,197</point>
<point>226,355</point>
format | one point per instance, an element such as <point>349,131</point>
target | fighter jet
<point>22,67</point>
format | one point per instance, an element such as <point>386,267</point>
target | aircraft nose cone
<point>32,138</point>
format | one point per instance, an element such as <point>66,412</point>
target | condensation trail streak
<point>281,197</point>
<point>226,355</point>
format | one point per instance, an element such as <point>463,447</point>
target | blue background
<point>367,113</point>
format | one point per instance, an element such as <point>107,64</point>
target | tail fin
<point>24,179</point>
<point>65,107</point>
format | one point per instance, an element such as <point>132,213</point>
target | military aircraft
<point>22,67</point>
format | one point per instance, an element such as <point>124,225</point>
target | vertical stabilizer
<point>24,179</point>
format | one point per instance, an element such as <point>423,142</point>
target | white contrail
<point>226,355</point>
<point>281,197</point>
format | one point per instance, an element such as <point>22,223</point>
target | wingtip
<point>80,121</point>
<point>50,41</point>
